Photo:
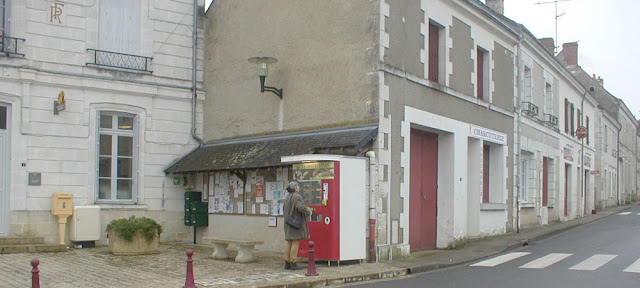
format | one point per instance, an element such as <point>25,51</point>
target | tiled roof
<point>265,151</point>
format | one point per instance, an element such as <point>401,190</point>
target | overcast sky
<point>608,35</point>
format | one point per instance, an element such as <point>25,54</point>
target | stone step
<point>20,240</point>
<point>32,248</point>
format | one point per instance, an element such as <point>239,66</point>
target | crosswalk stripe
<point>634,268</point>
<point>594,262</point>
<point>624,213</point>
<point>501,259</point>
<point>639,214</point>
<point>545,261</point>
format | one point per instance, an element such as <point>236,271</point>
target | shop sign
<point>587,161</point>
<point>488,135</point>
<point>568,154</point>
<point>313,170</point>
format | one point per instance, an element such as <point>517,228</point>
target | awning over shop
<point>265,151</point>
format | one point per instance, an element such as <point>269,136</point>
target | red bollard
<point>35,273</point>
<point>189,283</point>
<point>311,271</point>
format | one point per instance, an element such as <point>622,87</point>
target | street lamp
<point>263,70</point>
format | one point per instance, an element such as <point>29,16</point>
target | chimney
<point>570,53</point>
<point>548,44</point>
<point>600,80</point>
<point>496,5</point>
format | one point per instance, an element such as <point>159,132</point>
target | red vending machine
<point>334,187</point>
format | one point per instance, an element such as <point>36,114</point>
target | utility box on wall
<point>84,227</point>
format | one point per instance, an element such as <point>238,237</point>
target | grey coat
<point>294,207</point>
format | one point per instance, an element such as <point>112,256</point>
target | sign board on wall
<point>488,135</point>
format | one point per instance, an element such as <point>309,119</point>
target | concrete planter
<point>138,246</point>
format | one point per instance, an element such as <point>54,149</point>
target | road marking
<point>594,262</point>
<point>545,261</point>
<point>624,213</point>
<point>638,213</point>
<point>501,259</point>
<point>634,268</point>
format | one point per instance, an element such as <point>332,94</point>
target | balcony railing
<point>9,45</point>
<point>529,109</point>
<point>120,60</point>
<point>550,120</point>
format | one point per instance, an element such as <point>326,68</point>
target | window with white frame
<point>4,19</point>
<point>606,138</point>
<point>528,85</point>
<point>548,99</point>
<point>493,163</point>
<point>117,157</point>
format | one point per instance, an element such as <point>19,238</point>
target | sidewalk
<point>96,267</point>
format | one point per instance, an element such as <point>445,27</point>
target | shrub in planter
<point>133,236</point>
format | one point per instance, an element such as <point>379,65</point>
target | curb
<point>429,267</point>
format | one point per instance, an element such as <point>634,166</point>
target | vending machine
<point>334,187</point>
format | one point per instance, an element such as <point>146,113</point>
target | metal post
<point>35,273</point>
<point>311,271</point>
<point>189,283</point>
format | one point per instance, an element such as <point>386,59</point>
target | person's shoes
<point>294,266</point>
<point>287,265</point>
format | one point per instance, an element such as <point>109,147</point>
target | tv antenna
<point>555,2</point>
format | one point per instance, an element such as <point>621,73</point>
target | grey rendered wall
<point>503,77</point>
<point>460,57</point>
<point>403,24</point>
<point>407,93</point>
<point>325,50</point>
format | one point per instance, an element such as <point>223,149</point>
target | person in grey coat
<point>295,208</point>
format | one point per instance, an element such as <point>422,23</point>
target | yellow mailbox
<point>62,207</point>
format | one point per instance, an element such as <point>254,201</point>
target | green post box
<point>195,210</point>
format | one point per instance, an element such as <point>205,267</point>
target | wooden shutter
<point>486,150</point>
<point>434,55</point>
<point>119,26</point>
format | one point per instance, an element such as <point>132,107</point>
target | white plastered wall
<point>453,148</point>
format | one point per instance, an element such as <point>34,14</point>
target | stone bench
<point>245,248</point>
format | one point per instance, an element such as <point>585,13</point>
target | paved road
<point>601,254</point>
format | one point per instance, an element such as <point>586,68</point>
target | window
<point>528,84</point>
<point>566,115</point>
<point>3,117</point>
<point>436,53</point>
<point>573,127</point>
<point>548,99</point>
<point>4,21</point>
<point>606,138</point>
<point>588,130</point>
<point>117,155</point>
<point>486,166</point>
<point>119,26</point>
<point>482,73</point>
<point>524,181</point>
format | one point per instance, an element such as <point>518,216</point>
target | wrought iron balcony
<point>120,60</point>
<point>551,120</point>
<point>529,109</point>
<point>9,46</point>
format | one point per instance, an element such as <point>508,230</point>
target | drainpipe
<point>193,74</point>
<point>516,197</point>
<point>618,160</point>
<point>372,206</point>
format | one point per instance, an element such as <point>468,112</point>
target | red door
<point>566,188</point>
<point>545,181</point>
<point>423,190</point>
